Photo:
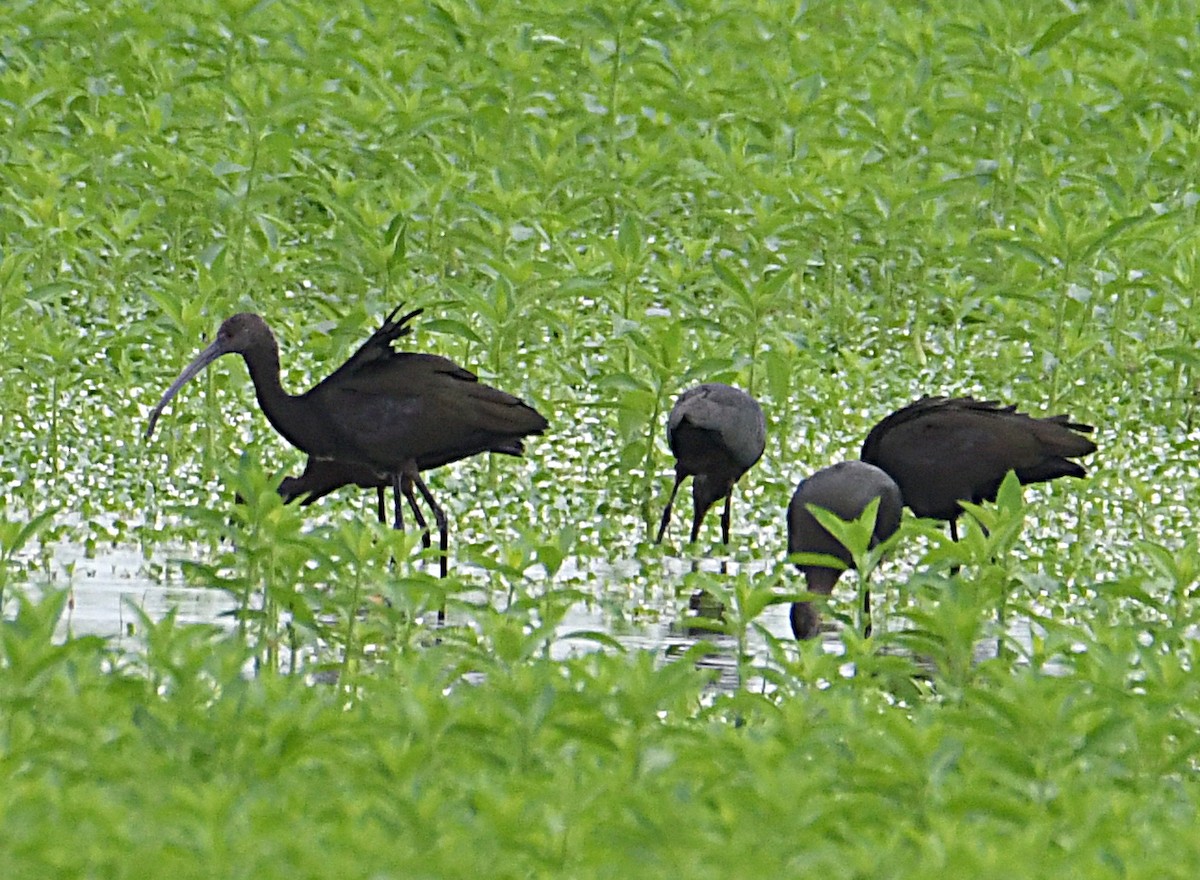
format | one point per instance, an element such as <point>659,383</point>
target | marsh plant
<point>837,206</point>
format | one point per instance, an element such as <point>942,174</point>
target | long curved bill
<point>201,361</point>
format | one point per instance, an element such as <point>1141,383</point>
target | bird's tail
<point>1062,437</point>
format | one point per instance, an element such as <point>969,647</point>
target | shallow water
<point>109,587</point>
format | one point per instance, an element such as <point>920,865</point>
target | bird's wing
<point>425,408</point>
<point>377,349</point>
<point>407,373</point>
<point>979,444</point>
<point>899,422</point>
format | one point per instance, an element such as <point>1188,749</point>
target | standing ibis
<point>716,432</point>
<point>383,415</point>
<point>943,450</point>
<point>844,489</point>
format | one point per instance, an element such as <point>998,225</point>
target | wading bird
<point>392,413</point>
<point>322,476</point>
<point>943,450</point>
<point>716,432</point>
<point>844,489</point>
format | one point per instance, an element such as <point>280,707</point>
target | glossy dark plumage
<point>844,489</point>
<point>717,433</point>
<point>941,451</point>
<point>322,476</point>
<point>383,412</point>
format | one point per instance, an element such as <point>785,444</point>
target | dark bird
<point>717,433</point>
<point>322,476</point>
<point>844,489</point>
<point>384,413</point>
<point>943,450</point>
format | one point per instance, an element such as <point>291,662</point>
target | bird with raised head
<point>383,415</point>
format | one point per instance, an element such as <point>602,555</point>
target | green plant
<point>837,206</point>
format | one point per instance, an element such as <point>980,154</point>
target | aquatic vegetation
<point>835,206</point>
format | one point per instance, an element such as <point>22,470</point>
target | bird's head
<point>237,335</point>
<point>240,334</point>
<point>806,620</point>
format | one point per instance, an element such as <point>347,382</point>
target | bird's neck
<point>281,409</point>
<point>706,491</point>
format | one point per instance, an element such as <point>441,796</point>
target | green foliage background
<point>837,205</point>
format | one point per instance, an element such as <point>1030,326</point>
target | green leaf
<point>452,327</point>
<point>1057,32</point>
<point>224,168</point>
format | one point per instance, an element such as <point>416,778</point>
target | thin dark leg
<point>399,523</point>
<point>867,611</point>
<point>666,517</point>
<point>954,537</point>
<point>406,485</point>
<point>697,515</point>
<point>396,492</point>
<point>439,516</point>
<point>381,504</point>
<point>725,519</point>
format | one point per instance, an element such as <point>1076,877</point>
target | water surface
<point>109,587</point>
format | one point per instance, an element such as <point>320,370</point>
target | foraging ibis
<point>717,433</point>
<point>844,489</point>
<point>943,450</point>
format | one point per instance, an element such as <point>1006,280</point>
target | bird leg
<point>396,493</point>
<point>406,485</point>
<point>402,484</point>
<point>866,611</point>
<point>381,504</point>
<point>725,518</point>
<point>666,517</point>
<point>439,516</point>
<point>954,569</point>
